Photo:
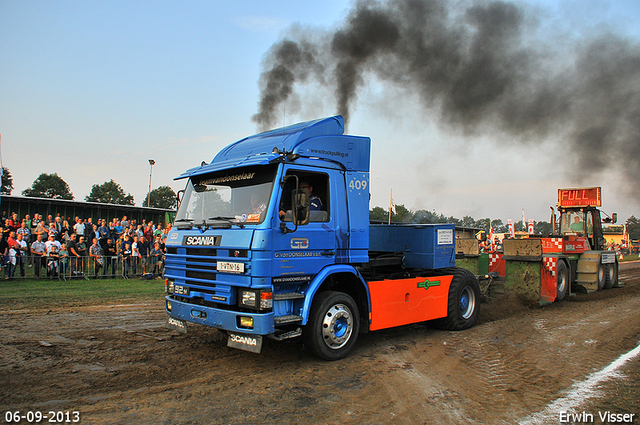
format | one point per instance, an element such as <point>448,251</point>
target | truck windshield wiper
<point>184,220</point>
<point>231,220</point>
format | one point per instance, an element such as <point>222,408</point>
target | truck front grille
<point>196,268</point>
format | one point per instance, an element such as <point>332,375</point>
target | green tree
<point>109,193</point>
<point>542,228</point>
<point>49,186</point>
<point>633,227</point>
<point>468,221</point>
<point>7,182</point>
<point>484,224</point>
<point>403,215</point>
<point>431,217</point>
<point>378,214</point>
<point>161,197</point>
<point>499,226</point>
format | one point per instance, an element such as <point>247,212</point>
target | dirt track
<point>118,364</point>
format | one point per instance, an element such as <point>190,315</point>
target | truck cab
<point>272,238</point>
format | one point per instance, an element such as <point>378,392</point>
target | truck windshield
<point>238,196</point>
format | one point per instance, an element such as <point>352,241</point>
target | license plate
<point>181,290</point>
<point>252,343</point>
<point>177,324</point>
<point>608,257</point>
<point>225,266</point>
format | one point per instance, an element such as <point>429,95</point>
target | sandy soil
<point>119,364</point>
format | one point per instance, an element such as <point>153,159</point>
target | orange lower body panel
<point>548,280</point>
<point>404,301</point>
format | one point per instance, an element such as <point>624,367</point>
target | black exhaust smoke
<point>478,68</point>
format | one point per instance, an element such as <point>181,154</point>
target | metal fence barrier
<point>45,267</point>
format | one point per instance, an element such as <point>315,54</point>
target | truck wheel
<point>611,275</point>
<point>562,280</point>
<point>463,304</point>
<point>333,326</point>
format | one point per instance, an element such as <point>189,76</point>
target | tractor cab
<point>580,222</point>
<point>583,227</point>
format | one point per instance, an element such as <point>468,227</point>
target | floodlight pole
<point>151,163</point>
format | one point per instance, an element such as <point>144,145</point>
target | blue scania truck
<point>272,239</point>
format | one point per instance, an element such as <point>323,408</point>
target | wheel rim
<point>611,273</point>
<point>600,274</point>
<point>467,302</point>
<point>562,281</point>
<point>337,326</point>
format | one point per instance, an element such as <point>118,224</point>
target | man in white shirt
<point>79,228</point>
<point>135,254</point>
<point>52,245</point>
<point>21,249</point>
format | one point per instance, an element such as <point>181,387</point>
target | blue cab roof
<point>319,139</point>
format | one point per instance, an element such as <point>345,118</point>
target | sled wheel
<point>562,280</point>
<point>601,276</point>
<point>463,304</point>
<point>333,325</point>
<point>611,275</point>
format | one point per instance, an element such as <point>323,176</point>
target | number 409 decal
<point>358,184</point>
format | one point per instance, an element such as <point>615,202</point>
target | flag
<point>392,205</point>
<point>512,231</point>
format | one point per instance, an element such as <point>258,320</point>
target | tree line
<point>405,215</point>
<point>54,187</point>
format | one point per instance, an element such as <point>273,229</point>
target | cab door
<point>301,254</point>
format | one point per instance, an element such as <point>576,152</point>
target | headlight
<point>256,299</point>
<point>248,299</point>
<point>168,286</point>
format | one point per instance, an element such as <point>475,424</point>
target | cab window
<point>316,185</point>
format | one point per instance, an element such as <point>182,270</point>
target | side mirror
<point>614,217</point>
<point>179,197</point>
<point>300,202</point>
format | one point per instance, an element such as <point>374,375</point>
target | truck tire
<point>333,326</point>
<point>463,304</point>
<point>611,275</point>
<point>562,280</point>
<point>601,276</point>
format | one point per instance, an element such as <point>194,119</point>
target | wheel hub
<point>467,302</point>
<point>337,326</point>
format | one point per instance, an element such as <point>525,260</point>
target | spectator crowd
<point>59,247</point>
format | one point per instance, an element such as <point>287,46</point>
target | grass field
<point>630,257</point>
<point>48,293</point>
<point>45,293</point>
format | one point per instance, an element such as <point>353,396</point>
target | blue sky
<point>93,89</point>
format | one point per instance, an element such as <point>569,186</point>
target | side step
<point>286,335</point>
<point>288,296</point>
<point>292,318</point>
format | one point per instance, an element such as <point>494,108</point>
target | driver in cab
<point>577,225</point>
<point>315,203</point>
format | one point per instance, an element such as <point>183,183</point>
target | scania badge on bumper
<point>252,343</point>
